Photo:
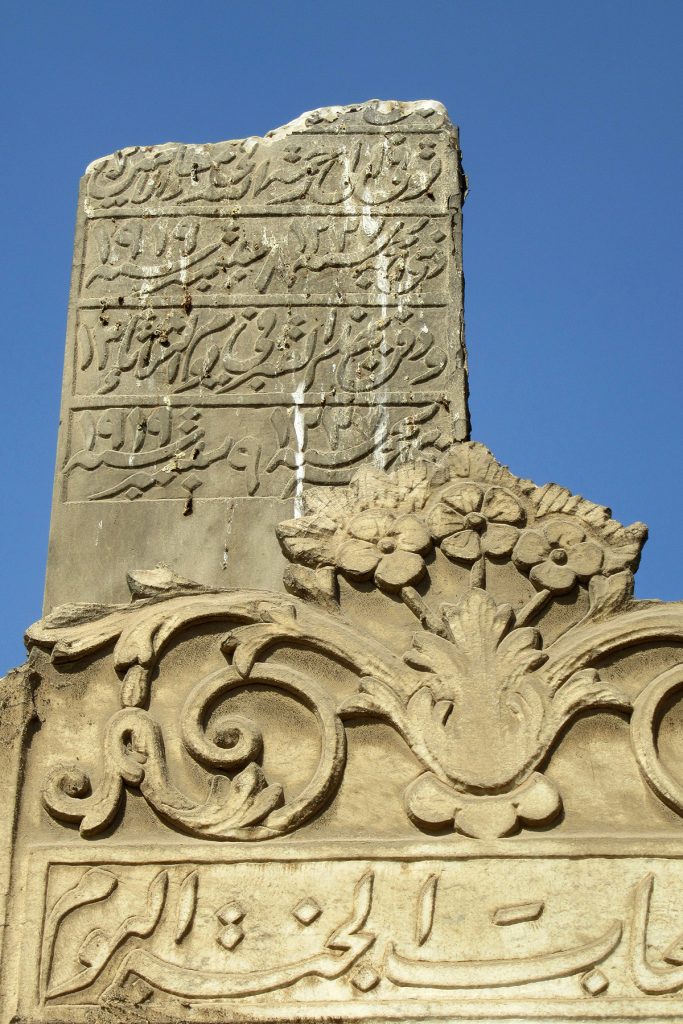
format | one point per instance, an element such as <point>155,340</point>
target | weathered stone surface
<point>436,780</point>
<point>419,762</point>
<point>247,318</point>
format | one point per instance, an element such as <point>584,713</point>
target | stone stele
<point>248,318</point>
<point>378,731</point>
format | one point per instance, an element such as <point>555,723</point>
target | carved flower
<point>557,556</point>
<point>331,516</point>
<point>470,520</point>
<point>386,547</point>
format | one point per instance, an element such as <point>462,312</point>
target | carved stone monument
<point>248,318</point>
<point>378,731</point>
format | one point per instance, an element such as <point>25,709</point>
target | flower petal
<point>561,534</point>
<point>466,498</point>
<point>307,540</point>
<point>357,558</point>
<point>486,818</point>
<point>585,559</point>
<point>370,525</point>
<point>399,569</point>
<point>411,534</point>
<point>465,546</point>
<point>539,800</point>
<point>501,507</point>
<point>499,539</point>
<point>430,802</point>
<point>532,547</point>
<point>550,576</point>
<point>444,520</point>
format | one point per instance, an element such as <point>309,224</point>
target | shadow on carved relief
<point>466,608</point>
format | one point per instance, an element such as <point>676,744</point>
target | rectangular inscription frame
<point>453,1006</point>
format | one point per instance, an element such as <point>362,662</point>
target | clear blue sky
<point>570,116</point>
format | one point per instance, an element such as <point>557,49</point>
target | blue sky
<point>570,118</point>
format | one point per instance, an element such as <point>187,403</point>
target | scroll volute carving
<point>517,593</point>
<point>483,561</point>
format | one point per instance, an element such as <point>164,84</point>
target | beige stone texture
<point>416,759</point>
<point>248,318</point>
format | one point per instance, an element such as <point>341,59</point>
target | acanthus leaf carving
<point>480,697</point>
<point>246,807</point>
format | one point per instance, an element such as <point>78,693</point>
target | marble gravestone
<point>330,716</point>
<point>248,318</point>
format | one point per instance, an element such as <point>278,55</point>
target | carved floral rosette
<point>516,593</point>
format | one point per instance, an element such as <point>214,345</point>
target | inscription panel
<point>362,255</point>
<point>253,316</point>
<point>330,158</point>
<point>319,928</point>
<point>126,452</point>
<point>251,350</point>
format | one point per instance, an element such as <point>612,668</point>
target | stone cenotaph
<point>329,716</point>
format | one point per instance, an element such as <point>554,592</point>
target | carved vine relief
<point>476,694</point>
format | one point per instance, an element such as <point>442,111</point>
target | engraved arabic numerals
<point>150,256</point>
<point>148,448</point>
<point>135,441</point>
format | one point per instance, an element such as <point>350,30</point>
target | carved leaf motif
<point>160,582</point>
<point>430,802</point>
<point>582,691</point>
<point>377,697</point>
<point>317,585</point>
<point>134,753</point>
<point>135,687</point>
<point>479,644</point>
<point>250,799</point>
<point>247,643</point>
<point>609,594</point>
<point>476,699</point>
<point>486,819</point>
<point>309,543</point>
<point>245,808</point>
<point>486,673</point>
<point>67,615</point>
